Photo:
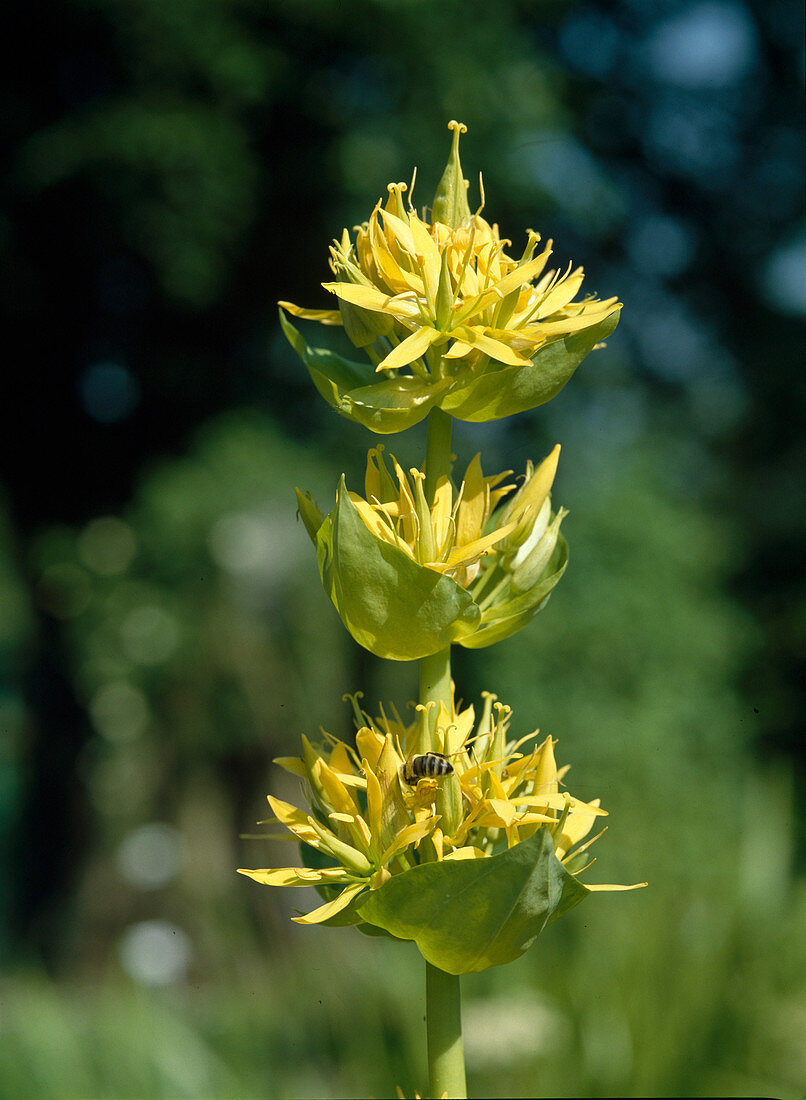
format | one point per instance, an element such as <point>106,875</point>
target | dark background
<point>173,170</point>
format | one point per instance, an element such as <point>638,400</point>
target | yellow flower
<point>370,820</point>
<point>439,304</point>
<point>497,562</point>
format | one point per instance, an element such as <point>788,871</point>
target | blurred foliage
<point>174,169</point>
<point>202,646</point>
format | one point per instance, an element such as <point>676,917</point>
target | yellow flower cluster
<point>419,295</point>
<point>461,529</point>
<point>370,818</point>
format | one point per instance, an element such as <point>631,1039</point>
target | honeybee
<point>431,765</point>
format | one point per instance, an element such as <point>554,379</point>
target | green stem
<point>435,671</point>
<point>435,681</point>
<point>437,451</point>
<point>446,1060</point>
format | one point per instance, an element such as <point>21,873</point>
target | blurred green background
<point>177,167</point>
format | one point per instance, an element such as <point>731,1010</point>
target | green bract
<point>409,580</point>
<point>392,606</point>
<point>470,914</point>
<point>473,392</point>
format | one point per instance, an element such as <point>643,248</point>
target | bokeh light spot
<point>155,952</point>
<point>660,245</point>
<point>107,545</point>
<point>149,634</point>
<point>150,856</point>
<point>783,278</point>
<point>245,544</point>
<point>119,712</point>
<point>109,392</point>
<point>707,45</point>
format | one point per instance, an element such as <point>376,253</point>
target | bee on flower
<point>446,316</point>
<point>368,824</point>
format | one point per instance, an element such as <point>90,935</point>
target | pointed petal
<point>562,294</point>
<point>496,349</point>
<point>516,278</point>
<point>604,886</point>
<point>324,316</point>
<point>568,324</point>
<point>332,907</point>
<point>297,876</point>
<point>368,297</point>
<point>411,348</point>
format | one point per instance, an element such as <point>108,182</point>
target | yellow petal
<point>400,231</point>
<point>562,294</point>
<point>538,487</point>
<point>374,801</point>
<point>332,907</point>
<point>367,297</point>
<point>463,555</point>
<point>428,251</point>
<point>369,744</point>
<point>324,316</point>
<point>545,772</point>
<point>517,277</point>
<point>568,324</point>
<point>297,876</point>
<point>441,514</point>
<point>603,886</point>
<point>497,350</point>
<point>409,835</point>
<point>503,809</point>
<point>291,764</point>
<point>294,819</point>
<point>397,277</point>
<point>458,350</point>
<point>341,762</point>
<point>337,795</point>
<point>470,514</point>
<point>411,348</point>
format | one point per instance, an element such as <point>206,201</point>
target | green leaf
<point>392,606</point>
<point>331,373</point>
<point>382,404</point>
<point>504,619</point>
<point>468,915</point>
<point>391,405</point>
<point>495,394</point>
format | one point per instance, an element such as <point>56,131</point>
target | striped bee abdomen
<point>431,765</point>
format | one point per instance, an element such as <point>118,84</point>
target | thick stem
<point>437,451</point>
<point>446,1059</point>
<point>435,671</point>
<point>435,682</point>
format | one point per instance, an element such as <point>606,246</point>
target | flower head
<point>472,568</point>
<point>371,820</point>
<point>446,316</point>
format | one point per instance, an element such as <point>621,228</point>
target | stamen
<point>411,190</point>
<point>359,716</point>
<point>463,268</point>
<point>481,195</point>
